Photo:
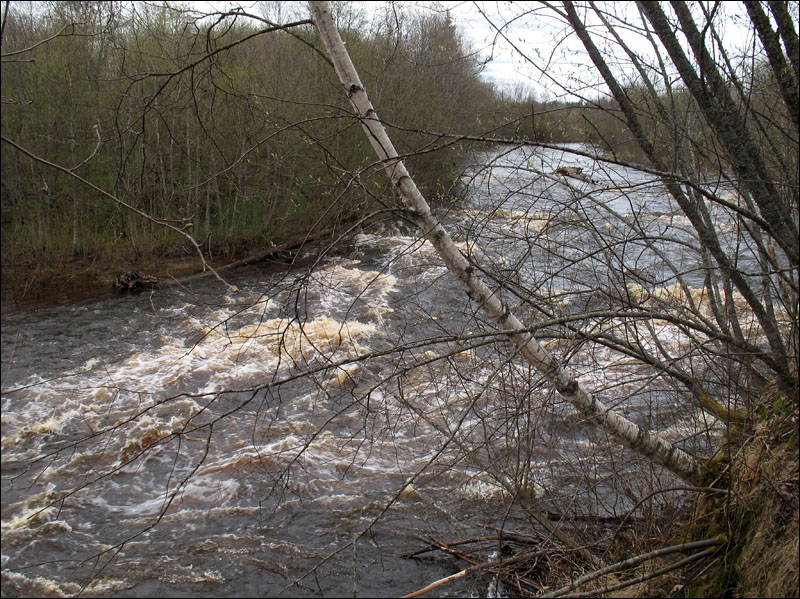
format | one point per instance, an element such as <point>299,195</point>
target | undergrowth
<point>758,515</point>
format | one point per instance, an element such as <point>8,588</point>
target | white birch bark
<point>644,442</point>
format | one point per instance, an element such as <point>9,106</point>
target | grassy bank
<point>758,516</point>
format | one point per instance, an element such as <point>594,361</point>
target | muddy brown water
<point>192,442</point>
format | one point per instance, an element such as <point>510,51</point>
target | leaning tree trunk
<point>644,442</point>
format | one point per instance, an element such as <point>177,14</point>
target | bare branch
<point>651,445</point>
<point>112,197</point>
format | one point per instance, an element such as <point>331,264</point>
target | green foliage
<point>252,143</point>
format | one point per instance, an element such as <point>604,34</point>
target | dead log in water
<point>576,172</point>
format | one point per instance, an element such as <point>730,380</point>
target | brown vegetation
<point>250,159</point>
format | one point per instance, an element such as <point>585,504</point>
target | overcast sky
<point>558,58</point>
<point>504,66</point>
<point>553,55</point>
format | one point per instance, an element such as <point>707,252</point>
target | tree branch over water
<point>650,445</point>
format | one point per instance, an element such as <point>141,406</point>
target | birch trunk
<point>644,442</point>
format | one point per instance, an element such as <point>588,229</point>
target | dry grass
<point>760,514</point>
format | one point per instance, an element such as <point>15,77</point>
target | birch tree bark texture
<point>650,445</point>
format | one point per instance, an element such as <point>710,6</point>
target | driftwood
<point>632,561</point>
<point>134,281</point>
<point>591,517</point>
<point>576,172</point>
<point>286,252</point>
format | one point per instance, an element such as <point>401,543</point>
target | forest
<point>187,130</point>
<point>179,127</point>
<point>384,326</point>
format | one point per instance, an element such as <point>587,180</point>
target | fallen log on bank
<point>134,281</point>
<point>285,253</point>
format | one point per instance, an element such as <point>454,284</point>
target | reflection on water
<point>193,443</point>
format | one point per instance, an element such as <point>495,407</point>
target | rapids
<point>301,436</point>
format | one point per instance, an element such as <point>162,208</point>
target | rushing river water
<point>303,435</point>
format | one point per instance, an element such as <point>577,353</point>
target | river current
<point>304,435</point>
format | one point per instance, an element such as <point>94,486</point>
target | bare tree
<point>419,211</point>
<point>668,288</point>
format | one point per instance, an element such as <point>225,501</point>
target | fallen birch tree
<point>417,209</point>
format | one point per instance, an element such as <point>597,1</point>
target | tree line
<point>232,129</point>
<point>221,126</point>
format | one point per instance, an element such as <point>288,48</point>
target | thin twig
<point>451,544</point>
<point>645,577</point>
<point>97,147</point>
<point>632,561</point>
<point>656,492</point>
<point>39,43</point>
<point>448,549</point>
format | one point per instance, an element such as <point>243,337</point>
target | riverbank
<point>33,284</point>
<point>735,536</point>
<point>27,287</point>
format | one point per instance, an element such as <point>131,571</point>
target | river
<point>302,436</point>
